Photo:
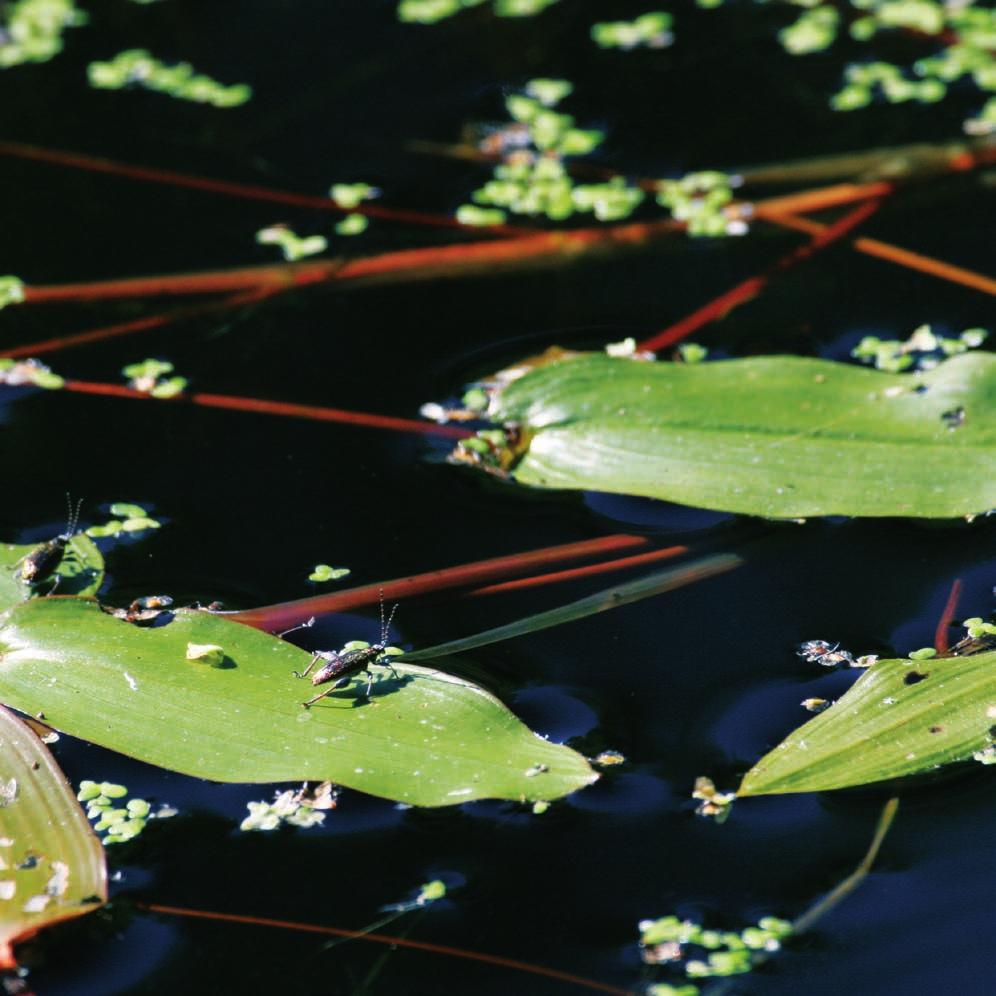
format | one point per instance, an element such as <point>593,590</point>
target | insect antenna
<point>73,515</point>
<point>385,627</point>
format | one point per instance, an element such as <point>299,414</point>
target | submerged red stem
<point>941,644</point>
<point>753,286</point>
<point>401,942</point>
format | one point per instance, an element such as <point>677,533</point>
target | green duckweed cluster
<point>533,177</point>
<point>103,805</point>
<point>324,572</point>
<point>964,32</point>
<point>352,195</point>
<point>923,350</point>
<point>977,628</point>
<point>31,30</point>
<point>288,807</point>
<point>651,30</point>
<point>150,377</point>
<point>699,199</point>
<point>431,11</point>
<point>139,67</point>
<point>24,373</point>
<point>292,245</point>
<point>11,290</point>
<point>128,518</point>
<point>716,953</point>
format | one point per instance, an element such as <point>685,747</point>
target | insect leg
<point>304,673</point>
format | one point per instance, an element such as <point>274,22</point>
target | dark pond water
<point>703,680</point>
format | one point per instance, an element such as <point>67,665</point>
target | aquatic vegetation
<point>965,34</point>
<point>324,572</point>
<point>19,373</point>
<point>290,807</point>
<point>31,30</point>
<point>697,952</point>
<point>292,246</point>
<point>105,805</point>
<point>51,863</point>
<point>753,436</point>
<point>650,30</point>
<point>11,291</point>
<point>352,224</point>
<point>923,350</point>
<point>137,67</point>
<point>431,11</point>
<point>150,378</point>
<point>129,518</point>
<point>352,195</point>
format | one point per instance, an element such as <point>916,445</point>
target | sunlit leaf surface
<point>425,737</point>
<point>901,717</point>
<point>777,436</point>
<point>51,862</point>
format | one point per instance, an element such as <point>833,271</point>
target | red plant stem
<point>944,623</point>
<point>895,254</point>
<point>572,574</point>
<point>751,287</point>
<point>425,262</point>
<point>284,615</point>
<point>429,261</point>
<point>260,405</point>
<point>136,325</point>
<point>401,942</point>
<point>246,191</point>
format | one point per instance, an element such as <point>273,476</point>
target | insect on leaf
<point>81,570</point>
<point>423,737</point>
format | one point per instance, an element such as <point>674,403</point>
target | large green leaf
<point>778,436</point>
<point>81,570</point>
<point>51,862</point>
<point>901,717</point>
<point>429,738</point>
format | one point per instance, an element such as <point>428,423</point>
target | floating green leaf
<point>81,570</point>
<point>778,436</point>
<point>426,738</point>
<point>51,863</point>
<point>901,717</point>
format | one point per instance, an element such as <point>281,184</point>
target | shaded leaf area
<point>51,862</point>
<point>81,571</point>
<point>902,717</point>
<point>777,436</point>
<point>425,738</point>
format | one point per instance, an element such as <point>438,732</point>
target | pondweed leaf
<point>901,717</point>
<point>775,436</point>
<point>425,738</point>
<point>51,862</point>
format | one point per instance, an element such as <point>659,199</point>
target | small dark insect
<point>819,651</point>
<point>39,564</point>
<point>954,418</point>
<point>339,668</point>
